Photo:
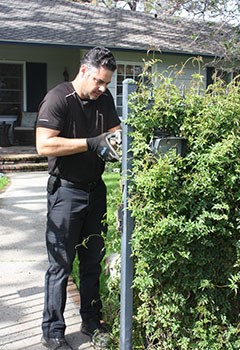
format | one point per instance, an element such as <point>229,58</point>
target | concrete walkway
<point>23,262</point>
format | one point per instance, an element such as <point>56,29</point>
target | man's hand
<point>101,144</point>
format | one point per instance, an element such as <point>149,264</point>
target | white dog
<point>112,265</point>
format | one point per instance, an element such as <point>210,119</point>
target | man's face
<point>94,82</point>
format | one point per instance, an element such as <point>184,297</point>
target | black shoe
<point>56,343</point>
<point>92,326</point>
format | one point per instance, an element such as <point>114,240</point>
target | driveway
<point>23,262</point>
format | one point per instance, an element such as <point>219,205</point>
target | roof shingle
<point>60,22</point>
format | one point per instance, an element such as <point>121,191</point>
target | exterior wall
<point>166,63</point>
<point>172,65</point>
<point>169,65</point>
<point>57,58</point>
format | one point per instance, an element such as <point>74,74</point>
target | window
<point>220,73</point>
<point>125,71</point>
<point>11,88</point>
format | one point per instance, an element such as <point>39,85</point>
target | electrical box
<point>161,145</point>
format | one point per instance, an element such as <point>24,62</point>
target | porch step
<point>22,162</point>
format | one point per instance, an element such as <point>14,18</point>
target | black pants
<point>75,218</point>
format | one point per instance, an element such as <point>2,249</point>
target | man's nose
<point>102,88</point>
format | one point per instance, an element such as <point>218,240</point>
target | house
<point>42,42</point>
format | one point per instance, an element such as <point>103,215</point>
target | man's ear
<point>83,69</point>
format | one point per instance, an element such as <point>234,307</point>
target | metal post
<point>126,308</point>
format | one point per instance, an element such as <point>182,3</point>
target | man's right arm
<point>49,143</point>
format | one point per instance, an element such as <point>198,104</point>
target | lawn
<point>3,181</point>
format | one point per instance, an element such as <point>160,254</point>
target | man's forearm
<point>49,143</point>
<point>60,146</point>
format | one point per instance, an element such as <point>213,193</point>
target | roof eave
<point>115,48</point>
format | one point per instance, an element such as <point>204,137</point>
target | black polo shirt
<point>63,110</point>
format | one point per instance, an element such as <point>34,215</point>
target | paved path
<point>23,264</point>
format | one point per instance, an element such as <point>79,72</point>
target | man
<point>74,122</point>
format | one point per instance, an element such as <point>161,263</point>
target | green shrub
<point>185,242</point>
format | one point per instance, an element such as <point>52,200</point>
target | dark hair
<point>99,57</point>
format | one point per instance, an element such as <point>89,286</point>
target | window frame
<point>117,85</point>
<point>23,64</point>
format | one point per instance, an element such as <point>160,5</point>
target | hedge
<point>185,244</point>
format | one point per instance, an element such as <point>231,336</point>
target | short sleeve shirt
<point>63,110</point>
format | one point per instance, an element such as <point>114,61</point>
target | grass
<point>3,181</point>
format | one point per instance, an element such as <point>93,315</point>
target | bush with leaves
<point>185,244</point>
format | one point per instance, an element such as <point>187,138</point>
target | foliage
<point>186,245</point>
<point>226,8</point>
<point>200,9</point>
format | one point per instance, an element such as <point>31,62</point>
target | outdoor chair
<point>24,133</point>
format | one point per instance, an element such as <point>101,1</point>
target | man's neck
<point>77,87</point>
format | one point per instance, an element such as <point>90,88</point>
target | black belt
<point>89,186</point>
